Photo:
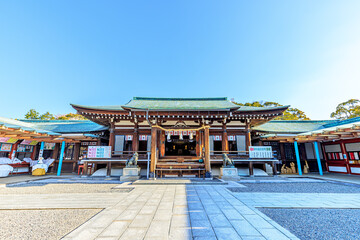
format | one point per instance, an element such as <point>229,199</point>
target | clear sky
<point>302,53</point>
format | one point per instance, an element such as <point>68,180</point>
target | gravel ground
<point>280,187</point>
<point>58,188</point>
<point>42,224</point>
<point>319,224</point>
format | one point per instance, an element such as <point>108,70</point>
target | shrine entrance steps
<point>180,166</point>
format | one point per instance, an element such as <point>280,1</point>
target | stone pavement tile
<point>165,205</point>
<point>148,210</point>
<point>133,234</point>
<point>201,223</point>
<point>115,229</point>
<point>158,230</point>
<point>205,238</point>
<point>245,229</point>
<point>163,215</point>
<point>195,206</point>
<point>253,238</point>
<point>232,214</point>
<point>180,233</point>
<point>226,234</point>
<point>203,232</point>
<point>212,209</point>
<point>273,234</point>
<point>219,220</point>
<point>244,210</point>
<point>258,222</point>
<point>141,221</point>
<point>107,238</point>
<point>84,234</point>
<point>180,209</point>
<point>178,221</point>
<point>198,215</point>
<point>127,215</point>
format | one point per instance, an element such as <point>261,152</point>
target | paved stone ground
<point>180,211</point>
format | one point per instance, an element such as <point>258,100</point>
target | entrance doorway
<point>180,147</point>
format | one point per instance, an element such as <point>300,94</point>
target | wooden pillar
<point>12,153</point>
<point>162,143</point>
<point>247,137</point>
<point>251,169</point>
<point>153,150</point>
<point>282,152</point>
<point>135,143</point>
<point>55,152</point>
<point>108,169</point>
<point>76,155</point>
<point>112,136</point>
<point>273,165</point>
<point>325,157</point>
<point>197,137</point>
<point>207,149</point>
<point>33,152</point>
<point>224,142</point>
<point>345,157</point>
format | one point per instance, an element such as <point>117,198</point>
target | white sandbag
<point>5,170</point>
<point>4,160</point>
<point>40,164</point>
<point>28,160</point>
<point>16,160</point>
<point>48,161</point>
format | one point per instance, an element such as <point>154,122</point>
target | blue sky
<point>302,53</point>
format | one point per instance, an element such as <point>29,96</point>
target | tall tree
<point>71,116</point>
<point>47,116</point>
<point>289,114</point>
<point>346,110</point>
<point>32,114</point>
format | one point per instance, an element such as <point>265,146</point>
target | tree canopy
<point>33,114</point>
<point>289,114</point>
<point>346,110</point>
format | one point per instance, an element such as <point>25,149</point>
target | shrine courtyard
<point>278,208</point>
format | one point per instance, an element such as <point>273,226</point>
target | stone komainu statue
<point>132,162</point>
<point>227,162</point>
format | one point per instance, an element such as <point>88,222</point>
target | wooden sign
<point>99,152</point>
<point>260,152</point>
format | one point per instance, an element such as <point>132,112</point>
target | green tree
<point>289,114</point>
<point>71,116</point>
<point>47,116</point>
<point>32,114</point>
<point>346,110</point>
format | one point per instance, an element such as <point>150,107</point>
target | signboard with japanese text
<point>29,142</point>
<point>99,152</point>
<point>260,152</point>
<point>8,140</point>
<point>88,143</point>
<point>5,147</point>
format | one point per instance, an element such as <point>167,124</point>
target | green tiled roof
<point>348,123</point>
<point>250,108</point>
<point>16,124</point>
<point>292,126</point>
<point>110,108</point>
<point>66,126</point>
<point>180,104</point>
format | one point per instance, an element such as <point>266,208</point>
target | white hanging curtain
<point>240,144</point>
<point>119,143</point>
